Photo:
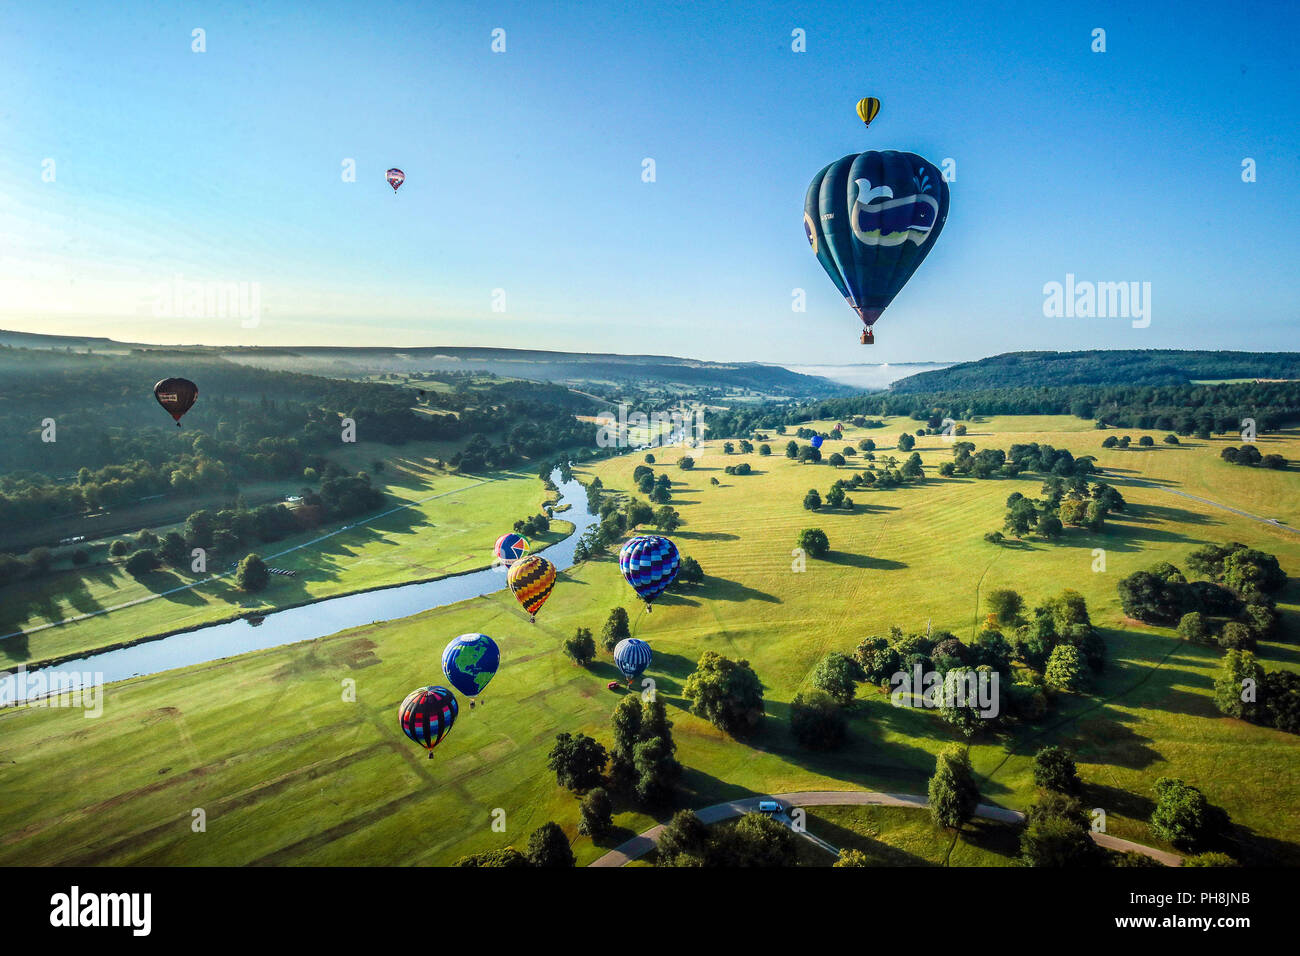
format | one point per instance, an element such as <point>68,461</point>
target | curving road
<point>1271,522</point>
<point>639,845</point>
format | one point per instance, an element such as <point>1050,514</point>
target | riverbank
<point>429,531</point>
<point>257,630</point>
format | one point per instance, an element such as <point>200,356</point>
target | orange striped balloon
<point>531,580</point>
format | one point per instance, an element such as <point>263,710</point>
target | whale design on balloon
<point>881,219</point>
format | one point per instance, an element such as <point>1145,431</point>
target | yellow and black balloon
<point>868,107</point>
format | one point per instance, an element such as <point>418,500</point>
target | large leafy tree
<point>953,793</point>
<point>817,721</point>
<point>1184,816</point>
<point>616,629</point>
<point>578,761</point>
<point>1237,686</point>
<point>596,813</point>
<point>1066,669</point>
<point>837,674</point>
<point>1054,770</point>
<point>727,693</point>
<point>548,846</point>
<point>252,574</point>
<point>814,542</point>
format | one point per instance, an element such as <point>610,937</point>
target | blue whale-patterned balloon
<point>871,219</point>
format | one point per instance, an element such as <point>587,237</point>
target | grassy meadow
<point>442,532</point>
<point>288,770</point>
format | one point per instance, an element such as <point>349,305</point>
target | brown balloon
<point>176,396</point>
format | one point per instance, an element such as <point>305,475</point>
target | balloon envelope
<point>649,563</point>
<point>868,107</point>
<point>871,219</point>
<point>817,441</point>
<point>176,396</point>
<point>427,715</point>
<point>531,580</point>
<point>632,657</point>
<point>395,178</point>
<point>510,548</point>
<point>469,662</point>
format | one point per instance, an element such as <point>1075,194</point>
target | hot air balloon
<point>632,657</point>
<point>649,563</point>
<point>469,662</point>
<point>427,716</point>
<point>395,178</point>
<point>531,580</point>
<point>868,107</point>
<point>176,396</point>
<point>817,441</point>
<point>510,548</point>
<point>871,219</point>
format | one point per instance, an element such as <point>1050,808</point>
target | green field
<point>897,836</point>
<point>447,529</point>
<point>288,772</point>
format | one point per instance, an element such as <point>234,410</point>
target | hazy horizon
<point>135,165</point>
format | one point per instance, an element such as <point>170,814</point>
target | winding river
<point>292,625</point>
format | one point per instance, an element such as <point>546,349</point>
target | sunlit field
<point>449,526</point>
<point>288,771</point>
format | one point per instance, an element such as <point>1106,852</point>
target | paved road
<point>639,845</point>
<point>1271,522</point>
<point>268,557</point>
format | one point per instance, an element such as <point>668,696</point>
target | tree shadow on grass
<point>1117,802</point>
<point>16,648</point>
<point>993,837</point>
<point>862,561</point>
<point>706,535</point>
<point>670,672</point>
<point>1279,653</point>
<point>1254,849</point>
<point>1104,737</point>
<point>879,852</point>
<point>697,789</point>
<point>720,589</point>
<point>1144,513</point>
<point>164,580</point>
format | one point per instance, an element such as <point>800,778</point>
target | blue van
<point>769,806</point>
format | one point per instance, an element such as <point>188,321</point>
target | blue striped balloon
<point>632,657</point>
<point>649,563</point>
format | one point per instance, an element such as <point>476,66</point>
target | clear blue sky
<point>524,171</point>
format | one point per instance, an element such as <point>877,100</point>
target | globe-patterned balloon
<point>632,657</point>
<point>469,662</point>
<point>510,548</point>
<point>649,563</point>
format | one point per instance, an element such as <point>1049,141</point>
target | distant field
<point>438,536</point>
<point>289,773</point>
<point>156,512</point>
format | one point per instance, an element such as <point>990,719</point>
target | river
<point>292,625</point>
